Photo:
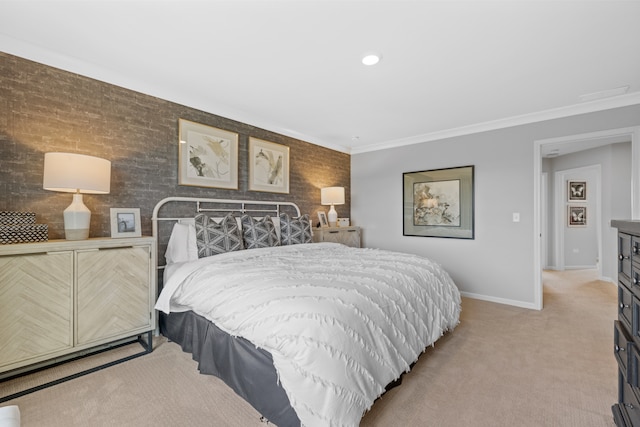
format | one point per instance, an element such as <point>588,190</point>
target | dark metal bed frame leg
<point>146,345</point>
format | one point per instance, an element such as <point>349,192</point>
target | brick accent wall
<point>44,109</point>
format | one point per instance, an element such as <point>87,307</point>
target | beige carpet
<point>502,366</point>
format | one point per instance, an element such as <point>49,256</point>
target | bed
<point>308,333</point>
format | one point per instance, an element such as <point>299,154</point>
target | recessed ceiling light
<point>371,59</point>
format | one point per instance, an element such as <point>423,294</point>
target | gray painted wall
<point>581,243</point>
<point>498,263</point>
<point>614,162</point>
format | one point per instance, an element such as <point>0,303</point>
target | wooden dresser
<point>626,334</point>
<point>349,236</point>
<point>61,297</point>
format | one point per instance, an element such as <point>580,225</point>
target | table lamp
<point>332,196</point>
<point>78,174</point>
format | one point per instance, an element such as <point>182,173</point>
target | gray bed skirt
<point>248,370</point>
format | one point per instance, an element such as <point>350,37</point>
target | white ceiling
<point>293,67</point>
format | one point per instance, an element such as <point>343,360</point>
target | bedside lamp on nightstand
<point>332,196</point>
<point>76,173</point>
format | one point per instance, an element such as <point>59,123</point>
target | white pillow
<point>182,244</point>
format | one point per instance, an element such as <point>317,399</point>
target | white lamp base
<point>333,216</point>
<point>77,218</point>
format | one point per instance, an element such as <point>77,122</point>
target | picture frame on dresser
<point>125,222</point>
<point>322,217</point>
<point>207,156</point>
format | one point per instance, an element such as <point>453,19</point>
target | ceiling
<point>294,67</point>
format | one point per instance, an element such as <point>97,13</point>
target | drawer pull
<point>618,348</point>
<point>622,257</point>
<point>635,250</point>
<point>635,280</point>
<point>623,306</point>
<point>629,405</point>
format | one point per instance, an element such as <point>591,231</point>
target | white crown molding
<point>556,113</point>
<point>74,65</point>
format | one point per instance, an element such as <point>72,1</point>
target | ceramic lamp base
<point>77,218</point>
<point>333,216</point>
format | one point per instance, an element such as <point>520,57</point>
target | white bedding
<point>341,323</point>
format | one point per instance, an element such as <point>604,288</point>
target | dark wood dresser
<point>626,333</point>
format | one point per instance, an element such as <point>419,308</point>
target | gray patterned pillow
<point>214,238</point>
<point>294,231</point>
<point>259,233</point>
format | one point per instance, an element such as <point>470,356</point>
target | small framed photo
<point>577,191</point>
<point>125,222</point>
<point>322,217</point>
<point>577,216</point>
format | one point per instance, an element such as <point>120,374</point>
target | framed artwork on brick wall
<point>208,157</point>
<point>268,166</point>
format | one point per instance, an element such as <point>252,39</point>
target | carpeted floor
<point>502,366</point>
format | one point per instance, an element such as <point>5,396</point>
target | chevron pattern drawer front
<point>36,307</point>
<point>113,293</point>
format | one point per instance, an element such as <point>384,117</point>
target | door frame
<point>632,133</point>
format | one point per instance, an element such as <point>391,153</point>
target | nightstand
<point>349,236</point>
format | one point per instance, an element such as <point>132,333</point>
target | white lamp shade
<point>71,173</point>
<point>332,196</point>
<point>76,173</point>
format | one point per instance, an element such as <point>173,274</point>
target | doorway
<point>576,143</point>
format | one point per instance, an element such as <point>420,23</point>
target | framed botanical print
<point>439,203</point>
<point>208,157</point>
<point>268,166</point>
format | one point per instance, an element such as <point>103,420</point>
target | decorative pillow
<point>215,238</point>
<point>259,233</point>
<point>294,231</point>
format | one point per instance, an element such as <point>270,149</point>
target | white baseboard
<point>505,301</point>
<point>580,267</point>
<point>517,303</point>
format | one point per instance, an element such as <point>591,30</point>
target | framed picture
<point>577,216</point>
<point>439,203</point>
<point>268,166</point>
<point>322,217</point>
<point>125,222</point>
<point>577,191</point>
<point>208,157</point>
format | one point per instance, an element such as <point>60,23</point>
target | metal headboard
<point>186,207</point>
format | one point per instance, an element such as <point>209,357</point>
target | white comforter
<point>340,323</point>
